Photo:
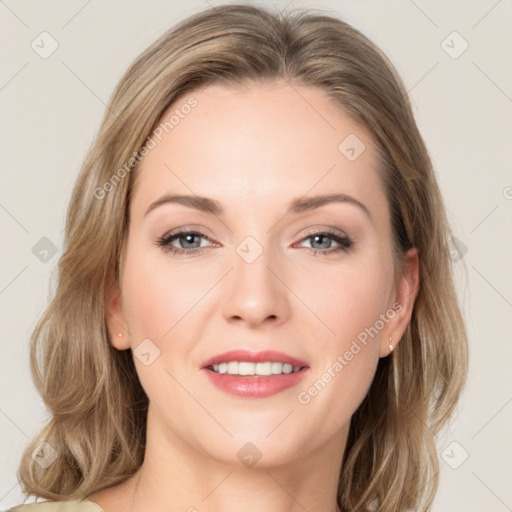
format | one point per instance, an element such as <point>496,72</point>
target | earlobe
<point>405,297</point>
<point>116,322</point>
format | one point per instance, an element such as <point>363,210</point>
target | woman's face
<point>263,264</point>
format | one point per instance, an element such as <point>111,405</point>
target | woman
<point>255,305</point>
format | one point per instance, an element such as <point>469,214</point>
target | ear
<point>403,302</point>
<point>116,323</point>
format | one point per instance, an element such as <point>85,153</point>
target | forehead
<point>263,143</point>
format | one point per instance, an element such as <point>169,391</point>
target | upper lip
<point>254,357</point>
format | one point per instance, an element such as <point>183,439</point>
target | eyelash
<point>345,242</point>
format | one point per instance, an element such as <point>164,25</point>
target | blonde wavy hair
<point>98,408</point>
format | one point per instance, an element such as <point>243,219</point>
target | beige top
<point>58,506</point>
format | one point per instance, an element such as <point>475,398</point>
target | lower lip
<point>255,386</point>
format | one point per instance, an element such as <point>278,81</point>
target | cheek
<point>346,300</point>
<point>158,306</point>
<point>341,379</point>
<point>156,295</point>
<point>351,304</point>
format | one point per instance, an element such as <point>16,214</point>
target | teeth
<point>246,368</point>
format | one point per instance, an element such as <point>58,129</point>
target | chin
<point>254,451</point>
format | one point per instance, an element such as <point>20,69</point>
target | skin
<point>253,149</point>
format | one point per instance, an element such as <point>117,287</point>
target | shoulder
<point>58,506</point>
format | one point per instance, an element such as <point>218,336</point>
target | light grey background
<point>51,108</point>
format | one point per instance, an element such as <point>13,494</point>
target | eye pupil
<point>326,243</point>
<point>188,239</point>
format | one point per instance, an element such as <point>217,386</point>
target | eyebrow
<point>299,205</point>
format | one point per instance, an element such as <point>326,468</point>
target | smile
<point>255,369</point>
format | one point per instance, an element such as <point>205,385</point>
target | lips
<point>255,386</point>
<point>254,357</point>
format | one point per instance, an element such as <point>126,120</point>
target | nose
<point>256,293</point>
